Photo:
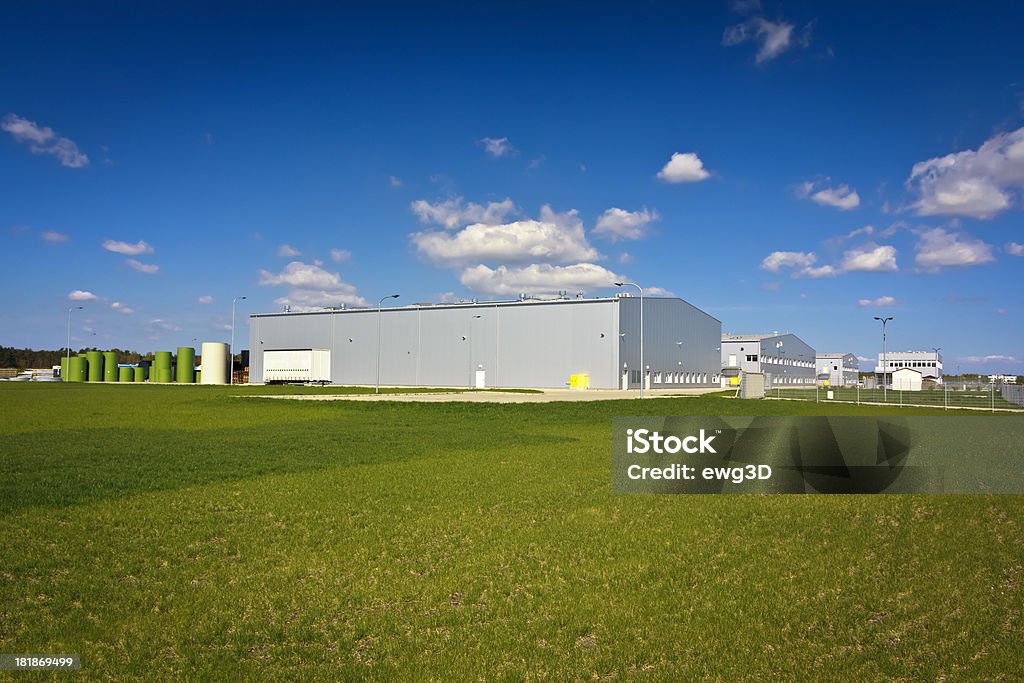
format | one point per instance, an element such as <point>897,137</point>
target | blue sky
<point>798,166</point>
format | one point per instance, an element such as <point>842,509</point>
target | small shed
<point>906,379</point>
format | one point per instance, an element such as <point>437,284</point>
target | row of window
<point>911,364</point>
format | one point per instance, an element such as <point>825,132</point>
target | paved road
<point>548,396</point>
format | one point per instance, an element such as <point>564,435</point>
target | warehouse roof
<point>523,301</point>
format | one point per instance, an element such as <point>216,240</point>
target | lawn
<point>183,532</point>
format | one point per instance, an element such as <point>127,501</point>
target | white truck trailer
<point>297,365</point>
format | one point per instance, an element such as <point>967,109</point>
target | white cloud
<point>453,213</point>
<point>818,272</point>
<point>121,308</point>
<point>657,291</point>
<point>537,279</point>
<point>159,325</point>
<point>287,251</point>
<point>787,259</point>
<point>615,224</point>
<point>683,168</point>
<point>447,297</point>
<point>497,147</point>
<point>866,230</point>
<point>939,248</point>
<point>43,140</point>
<point>555,237</point>
<point>54,237</point>
<point>1014,249</point>
<point>148,268</point>
<point>394,182</point>
<point>880,302</point>
<point>773,37</point>
<point>870,258</point>
<point>312,287</point>
<point>340,255</point>
<point>976,183</point>
<point>625,257</point>
<point>205,299</point>
<point>80,295</point>
<point>128,249</point>
<point>1001,358</point>
<point>842,197</point>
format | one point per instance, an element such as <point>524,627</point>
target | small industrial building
<point>785,359</point>
<point>906,379</point>
<point>841,368</point>
<point>928,363</point>
<point>526,343</point>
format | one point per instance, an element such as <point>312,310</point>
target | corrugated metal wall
<point>667,322</point>
<point>533,344</point>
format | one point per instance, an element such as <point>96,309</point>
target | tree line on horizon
<point>25,359</point>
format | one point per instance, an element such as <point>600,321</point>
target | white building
<point>1002,379</point>
<point>906,379</point>
<point>841,368</point>
<point>785,359</point>
<point>928,363</point>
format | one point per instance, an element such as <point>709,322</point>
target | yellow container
<point>579,381</point>
<point>734,381</point>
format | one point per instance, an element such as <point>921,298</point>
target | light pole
<point>73,308</point>
<point>885,385</point>
<point>231,347</point>
<point>470,340</point>
<point>643,368</point>
<point>379,304</point>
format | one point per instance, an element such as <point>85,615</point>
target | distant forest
<point>24,359</point>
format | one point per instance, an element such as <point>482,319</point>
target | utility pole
<point>885,386</point>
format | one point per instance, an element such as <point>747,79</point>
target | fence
<point>990,397</point>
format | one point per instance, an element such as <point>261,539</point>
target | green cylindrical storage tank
<point>199,376</point>
<point>163,375</point>
<point>186,365</point>
<point>64,369</point>
<point>140,374</point>
<point>162,359</point>
<point>110,373</point>
<point>78,368</point>
<point>125,374</point>
<point>95,365</point>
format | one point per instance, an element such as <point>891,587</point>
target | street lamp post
<point>73,308</point>
<point>885,385</point>
<point>643,368</point>
<point>231,347</point>
<point>379,304</point>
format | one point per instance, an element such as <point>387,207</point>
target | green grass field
<point>184,532</point>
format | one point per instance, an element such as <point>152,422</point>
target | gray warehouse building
<point>783,358</point>
<point>516,344</point>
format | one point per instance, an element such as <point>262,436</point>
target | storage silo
<point>110,371</point>
<point>139,374</point>
<point>78,368</point>
<point>125,374</point>
<point>214,365</point>
<point>199,376</point>
<point>186,365</point>
<point>95,372</point>
<point>64,368</point>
